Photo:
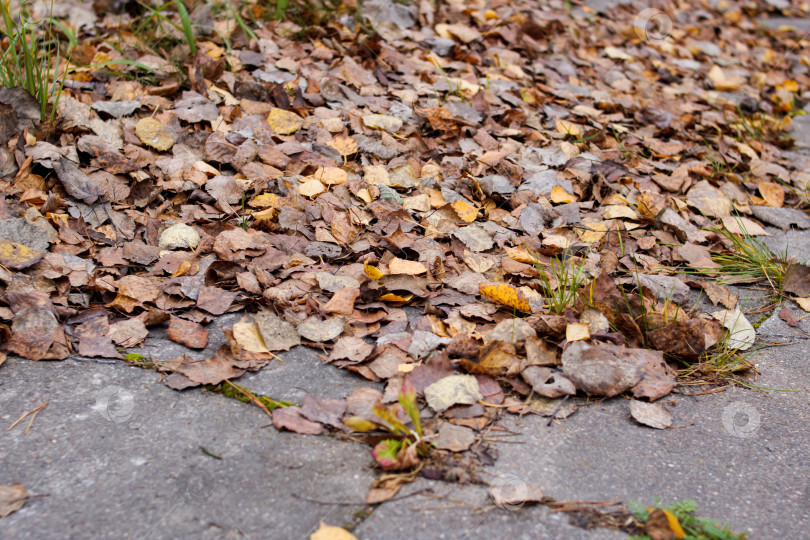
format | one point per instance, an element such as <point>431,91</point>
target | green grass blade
<point>187,30</point>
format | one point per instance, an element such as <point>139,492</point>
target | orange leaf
<point>773,194</point>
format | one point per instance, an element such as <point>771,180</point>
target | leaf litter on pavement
<point>485,209</point>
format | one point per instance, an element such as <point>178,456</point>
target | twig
<point>35,413</point>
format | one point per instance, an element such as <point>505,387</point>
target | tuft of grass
<point>560,285</point>
<point>720,361</point>
<point>244,219</point>
<point>27,60</point>
<point>747,260</point>
<point>160,17</point>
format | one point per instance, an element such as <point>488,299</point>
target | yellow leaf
<point>465,210</point>
<point>265,215</point>
<point>391,297</point>
<point>153,133</point>
<point>311,188</point>
<point>265,200</point>
<point>723,81</point>
<point>520,254</point>
<point>673,524</point>
<point>328,532</point>
<point>372,271</point>
<point>248,336</point>
<point>790,85</point>
<point>577,332</point>
<point>184,267</point>
<point>284,122</point>
<point>401,266</point>
<point>568,128</point>
<point>344,144</point>
<point>591,232</point>
<point>17,256</point>
<point>361,425</point>
<point>618,211</point>
<point>559,195</point>
<point>504,294</point>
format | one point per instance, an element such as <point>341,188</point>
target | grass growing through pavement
<point>679,521</point>
<point>720,361</point>
<point>746,260</point>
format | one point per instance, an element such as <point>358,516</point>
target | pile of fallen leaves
<point>409,201</point>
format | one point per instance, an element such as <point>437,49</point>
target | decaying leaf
<point>155,134</point>
<point>284,122</point>
<point>452,390</point>
<point>187,333</point>
<point>12,498</point>
<point>650,414</point>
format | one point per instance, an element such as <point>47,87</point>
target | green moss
<point>238,393</point>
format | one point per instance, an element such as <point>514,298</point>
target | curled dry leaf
<point>12,498</point>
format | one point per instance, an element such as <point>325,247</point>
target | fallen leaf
<point>452,390</point>
<point>786,315</point>
<point>249,338</point>
<point>401,266</point>
<point>291,419</point>
<point>12,498</point>
<point>383,121</point>
<point>17,256</point>
<point>328,532</point>
<point>577,332</point>
<point>773,194</point>
<point>277,334</point>
<point>654,415</point>
<point>798,280</point>
<point>742,334</point>
<point>155,134</point>
<point>314,329</point>
<point>284,122</point>
<point>214,300</point>
<point>454,438</point>
<point>76,183</point>
<point>212,370</point>
<point>187,333</point>
<point>742,225</point>
<point>345,145</point>
<point>506,295</point>
<point>311,188</point>
<point>663,525</point>
<point>559,195</point>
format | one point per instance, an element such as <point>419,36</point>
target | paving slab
<point>116,453</point>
